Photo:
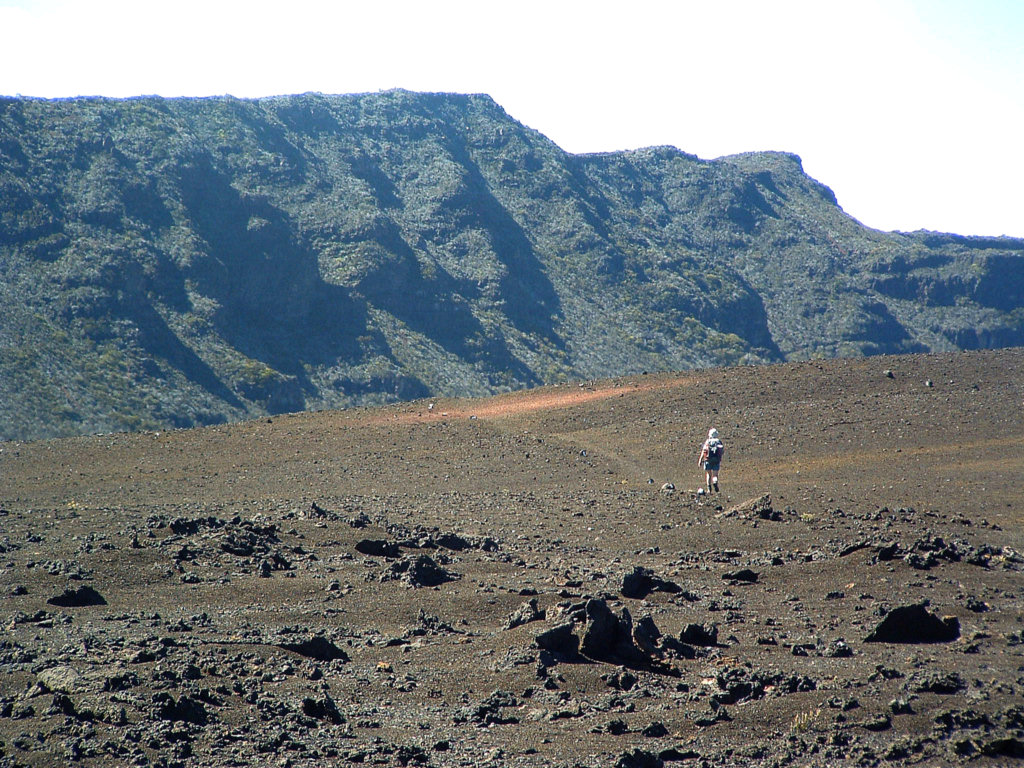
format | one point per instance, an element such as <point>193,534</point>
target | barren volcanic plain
<point>534,579</point>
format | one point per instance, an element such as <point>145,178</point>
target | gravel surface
<point>534,579</point>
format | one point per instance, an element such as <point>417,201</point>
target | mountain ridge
<point>173,262</point>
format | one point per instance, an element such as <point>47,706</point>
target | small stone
<point>526,613</point>
<point>655,730</point>
<point>900,707</point>
<point>744,575</point>
<point>881,723</point>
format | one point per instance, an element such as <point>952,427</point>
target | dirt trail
<point>520,403</point>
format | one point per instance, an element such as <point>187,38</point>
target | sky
<point>912,111</point>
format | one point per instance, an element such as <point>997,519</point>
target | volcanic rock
<point>882,722</point>
<point>452,541</point>
<point>524,614</point>
<point>420,571</point>
<point>699,634</point>
<point>559,639</point>
<point>1003,747</point>
<point>901,707</point>
<point>322,709</point>
<point>185,709</point>
<point>838,650</point>
<point>646,636</point>
<point>613,638</point>
<point>759,508</point>
<point>616,727</point>
<point>914,624</point>
<point>742,576</point>
<point>319,648</point>
<point>623,680</point>
<point>655,730</point>
<point>641,581</point>
<point>639,758</point>
<point>62,680</point>
<point>937,682</point>
<point>378,548</point>
<point>78,598</point>
<point>129,685</point>
<point>490,710</point>
<point>184,526</point>
<point>608,637</point>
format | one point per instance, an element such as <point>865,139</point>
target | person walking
<point>711,453</point>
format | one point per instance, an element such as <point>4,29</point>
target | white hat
<point>712,433</point>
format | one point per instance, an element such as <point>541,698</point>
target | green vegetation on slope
<point>192,261</point>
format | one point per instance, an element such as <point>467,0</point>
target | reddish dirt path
<point>529,401</point>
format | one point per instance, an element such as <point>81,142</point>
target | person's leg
<point>714,481</point>
<point>707,479</point>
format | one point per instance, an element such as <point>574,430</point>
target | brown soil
<point>221,553</point>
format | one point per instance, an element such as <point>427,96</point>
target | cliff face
<point>192,261</point>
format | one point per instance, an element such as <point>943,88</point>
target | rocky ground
<point>534,580</point>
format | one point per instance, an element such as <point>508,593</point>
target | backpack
<point>715,450</point>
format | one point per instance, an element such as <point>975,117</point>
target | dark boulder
<point>378,548</point>
<point>184,710</point>
<point>319,648</point>
<point>420,571</point>
<point>640,582</point>
<point>938,682</point>
<point>887,552</point>
<point>452,541</point>
<point>559,640</point>
<point>744,575</point>
<point>639,758</point>
<point>1007,746</point>
<point>609,638</point>
<point>655,730</point>
<point>322,709</point>
<point>699,634</point>
<point>617,727</point>
<point>185,526</point>
<point>623,680</point>
<point>914,624</point>
<point>77,598</point>
<point>647,636</point>
<point>490,711</point>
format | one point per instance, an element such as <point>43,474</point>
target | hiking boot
<point>716,487</point>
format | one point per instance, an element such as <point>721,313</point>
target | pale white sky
<point>912,111</point>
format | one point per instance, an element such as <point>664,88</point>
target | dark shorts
<point>712,466</point>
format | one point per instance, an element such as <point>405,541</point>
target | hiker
<point>711,458</point>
